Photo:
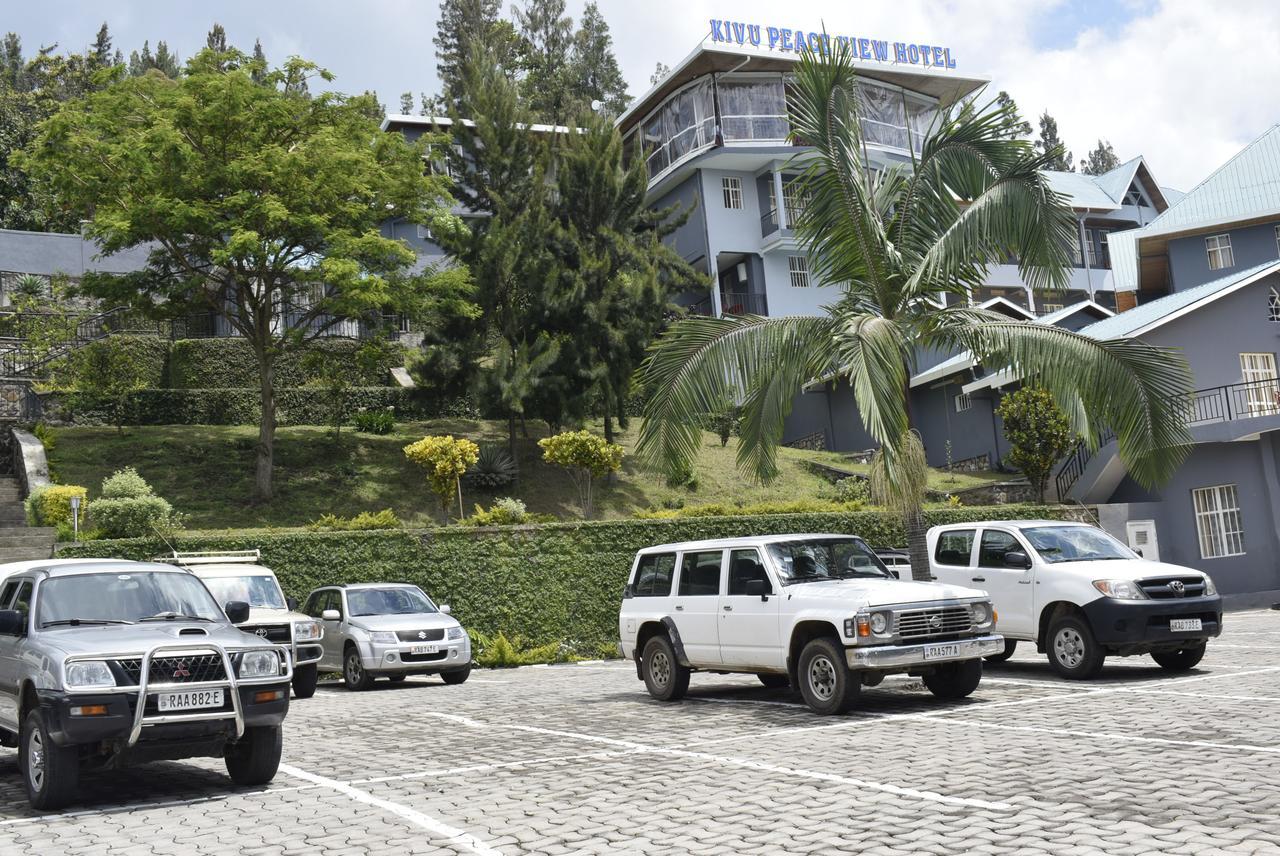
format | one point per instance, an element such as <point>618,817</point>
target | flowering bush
<point>446,460</point>
<point>586,457</point>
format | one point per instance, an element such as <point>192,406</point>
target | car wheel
<point>1009,646</point>
<point>304,681</point>
<point>50,772</point>
<point>396,679</point>
<point>354,674</point>
<point>664,677</point>
<point>1073,651</point>
<point>254,758</point>
<point>955,680</point>
<point>1182,659</point>
<point>457,676</point>
<point>772,681</point>
<point>826,683</point>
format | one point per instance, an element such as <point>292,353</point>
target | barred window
<point>963,402</point>
<point>798,266</point>
<point>1273,306</point>
<point>732,189</point>
<point>1219,249</point>
<point>1218,521</point>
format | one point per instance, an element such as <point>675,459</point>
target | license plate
<point>192,700</point>
<point>425,649</point>
<point>939,652</point>
<point>1185,625</point>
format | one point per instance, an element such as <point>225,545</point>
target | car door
<point>334,638</point>
<point>695,608</point>
<point>15,595</point>
<point>953,557</point>
<point>1009,586</point>
<point>749,623</point>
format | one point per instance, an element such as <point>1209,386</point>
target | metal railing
<point>743,303</point>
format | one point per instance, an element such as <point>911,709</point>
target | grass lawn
<point>207,473</point>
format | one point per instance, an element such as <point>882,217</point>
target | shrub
<point>723,424</point>
<point>133,517</point>
<point>853,489</point>
<point>683,475</point>
<point>375,421</point>
<point>498,651</point>
<point>125,484</point>
<point>586,457</point>
<point>507,511</point>
<point>495,468</point>
<point>445,459</point>
<point>365,520</point>
<point>1039,433</point>
<point>715,509</point>
<point>206,363</point>
<point>51,505</point>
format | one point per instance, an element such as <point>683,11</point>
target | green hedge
<point>208,363</point>
<point>149,354</point>
<point>548,583</point>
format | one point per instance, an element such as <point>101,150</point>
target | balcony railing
<point>743,303</point>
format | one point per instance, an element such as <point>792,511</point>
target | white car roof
<point>51,564</point>
<point>228,570</point>
<point>748,541</point>
<point>1016,524</point>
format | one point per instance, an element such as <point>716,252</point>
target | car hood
<point>1126,569</point>
<point>874,592</point>
<point>418,621</point>
<point>119,639</point>
<point>259,615</point>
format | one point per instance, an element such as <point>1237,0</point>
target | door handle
<point>679,607</point>
<point>979,579</point>
<point>728,608</point>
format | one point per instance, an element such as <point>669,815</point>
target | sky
<point>1185,83</point>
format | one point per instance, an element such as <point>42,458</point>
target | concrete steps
<point>18,541</point>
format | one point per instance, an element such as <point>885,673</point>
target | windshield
<point>257,590</point>
<point>1075,544</point>
<point>389,601</point>
<point>124,597</point>
<point>826,559</point>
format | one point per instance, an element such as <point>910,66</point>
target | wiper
<point>809,579</point>
<point>174,616</point>
<point>76,622</point>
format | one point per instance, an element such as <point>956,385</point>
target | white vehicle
<point>818,612</point>
<point>1079,594</point>
<point>236,575</point>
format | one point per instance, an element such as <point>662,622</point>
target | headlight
<point>1120,589</point>
<point>383,637</point>
<point>307,631</point>
<point>456,632</point>
<point>1209,588</point>
<point>259,664</point>
<point>89,673</point>
<point>980,613</point>
<point>879,623</point>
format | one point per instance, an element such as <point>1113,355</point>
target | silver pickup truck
<point>106,662</point>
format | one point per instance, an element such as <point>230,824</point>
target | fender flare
<point>676,643</point>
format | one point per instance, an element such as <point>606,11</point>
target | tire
<point>254,758</point>
<point>1182,659</point>
<point>457,676</point>
<point>354,674</point>
<point>50,772</point>
<point>826,683</point>
<point>955,680</point>
<point>664,677</point>
<point>1009,646</point>
<point>396,679</point>
<point>304,681</point>
<point>774,682</point>
<point>1073,651</point>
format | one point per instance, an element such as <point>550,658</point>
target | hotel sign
<point>798,41</point>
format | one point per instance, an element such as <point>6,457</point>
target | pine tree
<point>461,23</point>
<point>12,62</point>
<point>1101,159</point>
<point>406,103</point>
<point>1050,143</point>
<point>595,71</point>
<point>431,105</point>
<point>545,59</point>
<point>165,61</point>
<point>100,51</point>
<point>659,72</point>
<point>216,38</point>
<point>1018,126</point>
<point>259,73</point>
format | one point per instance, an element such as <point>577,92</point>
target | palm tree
<point>899,242</point>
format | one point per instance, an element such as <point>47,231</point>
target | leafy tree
<point>1050,147</point>
<point>898,241</point>
<point>446,460</point>
<point>659,72</point>
<point>1101,159</point>
<point>548,84</point>
<point>586,457</point>
<point>330,373</point>
<point>1039,433</point>
<point>258,204</point>
<point>595,69</point>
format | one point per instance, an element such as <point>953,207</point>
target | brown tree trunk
<point>265,448</point>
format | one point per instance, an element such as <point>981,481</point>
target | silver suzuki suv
<point>388,630</point>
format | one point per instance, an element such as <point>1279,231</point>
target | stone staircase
<point>18,541</point>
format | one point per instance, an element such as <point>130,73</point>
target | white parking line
<point>1116,736</point>
<point>455,836</point>
<point>1205,695</point>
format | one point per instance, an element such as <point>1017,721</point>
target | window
<point>1261,388</point>
<point>731,186</point>
<point>1219,249</point>
<point>1273,306</point>
<point>700,574</point>
<point>1277,246</point>
<point>798,266</point>
<point>424,233</point>
<point>993,546</point>
<point>1046,308</point>
<point>7,595</point>
<point>653,575</point>
<point>963,402</point>
<point>1218,521</point>
<point>796,199</point>
<point>22,603</point>
<point>745,566</point>
<point>954,547</point>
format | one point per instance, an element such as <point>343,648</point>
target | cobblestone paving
<point>577,759</point>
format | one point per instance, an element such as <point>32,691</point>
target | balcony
<point>743,303</point>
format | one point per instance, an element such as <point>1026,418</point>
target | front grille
<point>431,634</point>
<point>1164,588</point>
<point>270,632</point>
<point>933,622</point>
<point>176,670</point>
<point>423,658</point>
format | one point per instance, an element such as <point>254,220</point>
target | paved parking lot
<point>578,759</point>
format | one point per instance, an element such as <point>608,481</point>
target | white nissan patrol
<point>1079,594</point>
<point>818,612</point>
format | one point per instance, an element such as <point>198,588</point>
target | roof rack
<point>211,557</point>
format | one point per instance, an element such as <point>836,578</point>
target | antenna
<point>162,537</point>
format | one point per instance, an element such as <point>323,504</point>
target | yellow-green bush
<point>365,520</point>
<point>51,505</point>
<point>717,509</point>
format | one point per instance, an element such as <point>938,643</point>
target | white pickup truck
<point>1079,594</point>
<point>818,612</point>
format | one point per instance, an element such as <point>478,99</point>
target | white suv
<point>1079,594</point>
<point>818,612</point>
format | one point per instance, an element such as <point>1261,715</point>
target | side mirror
<point>1017,559</point>
<point>292,603</point>
<point>757,588</point>
<point>237,611</point>
<point>331,615</point>
<point>446,609</point>
<point>12,622</point>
